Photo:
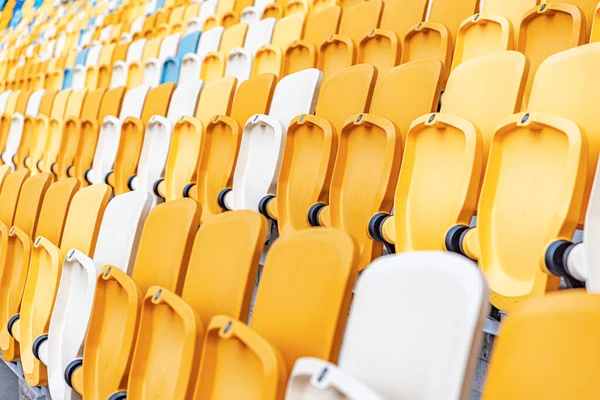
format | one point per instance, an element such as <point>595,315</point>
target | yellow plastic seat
<point>70,219</point>
<point>213,65</point>
<point>269,58</point>
<point>120,53</point>
<point>98,76</point>
<point>553,343</point>
<point>170,327</point>
<point>595,34</point>
<point>189,136</point>
<point>90,129</point>
<point>339,51</point>
<point>132,136</point>
<point>302,54</point>
<point>6,117</point>
<point>73,130</point>
<point>587,8</point>
<point>16,244</point>
<point>428,40</point>
<point>514,10</point>
<point>451,13</point>
<point>482,34</point>
<point>162,259</point>
<point>28,129</point>
<point>289,295</point>
<point>135,72</point>
<point>546,30</point>
<point>311,144</point>
<point>56,128</point>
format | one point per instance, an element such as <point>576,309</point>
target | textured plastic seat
<point>289,295</point>
<point>269,57</point>
<point>339,51</point>
<point>135,70</point>
<point>113,240</point>
<point>451,13</point>
<point>16,103</point>
<point>238,258</point>
<point>17,124</point>
<point>120,68</point>
<point>213,64</point>
<point>482,34</point>
<point>98,76</point>
<point>239,60</point>
<point>16,249</point>
<point>261,148</point>
<point>56,128</point>
<point>428,40</point>
<point>393,361</point>
<point>80,71</point>
<point>570,322</point>
<point>162,259</point>
<point>157,138</point>
<point>81,56</point>
<point>132,136</point>
<point>153,67</point>
<point>188,44</point>
<point>210,41</point>
<point>546,30</point>
<point>311,147</point>
<point>254,12</point>
<point>514,10</point>
<point>41,131</point>
<point>110,133</point>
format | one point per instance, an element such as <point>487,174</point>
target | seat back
<point>216,99</point>
<point>209,41</point>
<point>451,13</point>
<point>136,50</point>
<point>169,46</point>
<point>375,356</point>
<point>133,102</point>
<point>288,29</point>
<point>511,9</point>
<point>289,293</point>
<point>588,8</point>
<point>322,25</point>
<point>184,100</point>
<point>482,34</point>
<point>546,30</point>
<point>489,100</point>
<point>399,16</point>
<point>562,317</point>
<point>9,196</point>
<point>295,94</point>
<point>232,37</point>
<point>259,34</point>
<point>428,40</point>
<point>188,44</point>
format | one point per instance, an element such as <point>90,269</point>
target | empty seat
<point>239,60</point>
<point>213,64</point>
<point>42,276</point>
<point>135,69</point>
<point>428,40</point>
<point>110,133</point>
<point>569,322</point>
<point>121,67</point>
<point>394,361</point>
<point>154,65</point>
<point>237,258</point>
<point>546,30</point>
<point>339,51</point>
<point>514,10</point>
<point>188,44</point>
<point>482,34</point>
<point>162,259</point>
<point>289,295</point>
<point>302,54</point>
<point>311,146</point>
<point>259,158</point>
<point>451,13</point>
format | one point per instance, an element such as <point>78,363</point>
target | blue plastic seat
<point>67,79</point>
<point>81,57</point>
<point>171,66</point>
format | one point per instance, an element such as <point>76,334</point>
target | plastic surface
<point>451,13</point>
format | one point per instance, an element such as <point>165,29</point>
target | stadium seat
<point>132,136</point>
<point>289,295</point>
<point>428,40</point>
<point>213,64</point>
<point>188,44</point>
<point>394,361</point>
<point>262,141</point>
<point>546,30</point>
<point>302,54</point>
<point>121,67</point>
<point>514,10</point>
<point>339,50</point>
<point>269,57</point>
<point>237,259</point>
<point>482,34</point>
<point>311,145</point>
<point>158,135</point>
<point>135,69</point>
<point>41,279</point>
<point>239,60</point>
<point>565,325</point>
<point>153,68</point>
<point>16,250</point>
<point>110,133</point>
<point>451,13</point>
<point>210,41</point>
<point>16,103</point>
<point>162,259</point>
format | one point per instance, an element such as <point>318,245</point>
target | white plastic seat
<point>408,336</point>
<point>117,246</point>
<point>261,148</point>
<point>110,134</point>
<point>3,100</point>
<point>157,138</point>
<point>154,66</point>
<point>137,25</point>
<point>209,41</point>
<point>86,37</point>
<point>105,34</point>
<point>121,68</point>
<point>190,68</point>
<point>253,13</point>
<point>208,9</point>
<point>60,44</point>
<point>239,60</point>
<point>16,127</point>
